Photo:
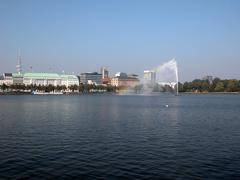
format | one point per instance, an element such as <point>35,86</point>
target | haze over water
<point>108,136</point>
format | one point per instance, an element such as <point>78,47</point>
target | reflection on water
<point>106,136</point>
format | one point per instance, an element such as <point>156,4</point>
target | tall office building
<point>105,75</point>
<point>104,72</point>
<point>149,77</point>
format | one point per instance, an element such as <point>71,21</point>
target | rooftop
<point>50,75</point>
<point>91,73</point>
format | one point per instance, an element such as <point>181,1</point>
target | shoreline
<point>209,92</point>
<point>50,94</point>
<point>90,93</point>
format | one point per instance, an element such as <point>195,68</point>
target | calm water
<point>117,137</point>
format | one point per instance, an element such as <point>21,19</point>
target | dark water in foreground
<point>120,137</point>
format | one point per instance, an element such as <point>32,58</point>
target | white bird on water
<point>166,105</point>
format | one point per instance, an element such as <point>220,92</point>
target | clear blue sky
<point>129,36</point>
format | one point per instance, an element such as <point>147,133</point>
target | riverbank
<point>210,93</point>
<point>15,93</point>
<point>41,94</point>
<point>88,93</point>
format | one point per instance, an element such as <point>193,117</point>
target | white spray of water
<point>167,73</point>
<point>164,74</point>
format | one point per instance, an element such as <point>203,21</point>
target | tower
<point>149,77</point>
<point>104,72</point>
<point>19,64</point>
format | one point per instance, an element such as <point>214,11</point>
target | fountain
<point>162,78</point>
<point>164,74</point>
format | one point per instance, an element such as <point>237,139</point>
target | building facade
<point>17,78</point>
<point>91,78</point>
<point>7,78</point>
<point>149,77</point>
<point>1,80</point>
<point>69,80</point>
<point>43,79</point>
<point>105,75</point>
<point>124,80</point>
<point>54,79</point>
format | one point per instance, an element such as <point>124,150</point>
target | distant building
<point>209,78</point>
<point>1,79</point>
<point>43,79</point>
<point>91,78</point>
<point>122,79</point>
<point>54,79</point>
<point>17,78</point>
<point>105,75</point>
<point>104,72</point>
<point>7,79</point>
<point>69,80</point>
<point>11,78</point>
<point>149,77</point>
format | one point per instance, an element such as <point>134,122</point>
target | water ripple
<point>113,137</point>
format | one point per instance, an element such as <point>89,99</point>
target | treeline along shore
<point>205,86</point>
<point>82,88</point>
<point>217,85</point>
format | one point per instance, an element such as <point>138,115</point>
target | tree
<point>64,88</point>
<point>111,88</point>
<point>49,88</point>
<point>81,88</point>
<point>205,86</point>
<point>219,87</point>
<point>73,87</point>
<point>214,83</point>
<point>180,87</point>
<point>4,87</point>
<point>59,88</point>
<point>187,87</point>
<point>197,84</point>
<point>232,85</point>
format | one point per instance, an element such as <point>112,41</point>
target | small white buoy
<point>166,105</point>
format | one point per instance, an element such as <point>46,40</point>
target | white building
<point>6,78</point>
<point>69,80</point>
<point>54,79</point>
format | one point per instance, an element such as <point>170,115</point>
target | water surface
<point>116,137</point>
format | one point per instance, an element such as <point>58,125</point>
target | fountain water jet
<point>164,74</point>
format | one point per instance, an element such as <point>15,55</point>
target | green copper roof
<point>65,76</point>
<point>17,75</point>
<point>41,75</point>
<point>49,75</point>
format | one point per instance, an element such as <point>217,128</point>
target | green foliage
<point>232,85</point>
<point>73,88</point>
<point>4,87</point>
<point>180,87</point>
<point>197,85</point>
<point>50,88</point>
<point>217,85</point>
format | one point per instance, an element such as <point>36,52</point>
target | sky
<point>124,35</point>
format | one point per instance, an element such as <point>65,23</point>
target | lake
<point>194,136</point>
